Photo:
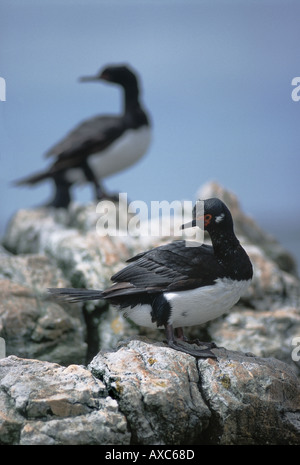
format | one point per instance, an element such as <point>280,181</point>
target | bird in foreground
<point>100,146</point>
<point>177,285</point>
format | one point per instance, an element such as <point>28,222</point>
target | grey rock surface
<point>45,403</point>
<point>146,393</point>
<point>253,400</point>
<point>157,390</point>
<point>32,325</point>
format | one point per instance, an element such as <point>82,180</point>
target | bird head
<point>119,74</point>
<point>212,214</point>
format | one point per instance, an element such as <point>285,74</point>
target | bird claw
<point>209,345</point>
<point>198,353</point>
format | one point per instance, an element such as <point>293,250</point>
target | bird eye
<point>207,219</point>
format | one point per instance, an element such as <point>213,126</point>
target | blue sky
<point>216,79</point>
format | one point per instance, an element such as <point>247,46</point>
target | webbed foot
<point>183,345</point>
<point>198,353</point>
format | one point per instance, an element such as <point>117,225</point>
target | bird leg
<point>92,178</point>
<point>99,191</point>
<point>179,344</point>
<point>62,196</point>
<point>182,337</point>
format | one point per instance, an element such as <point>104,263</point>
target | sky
<point>216,78</point>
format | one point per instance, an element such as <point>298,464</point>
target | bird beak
<point>190,224</point>
<point>201,221</point>
<point>105,76</point>
<point>88,78</point>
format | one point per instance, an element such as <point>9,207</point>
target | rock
<point>146,393</point>
<point>157,390</point>
<point>86,258</point>
<point>44,403</point>
<point>271,287</point>
<point>253,400</point>
<point>32,325</point>
<point>269,334</point>
<point>170,398</point>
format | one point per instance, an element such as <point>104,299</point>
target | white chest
<point>198,306</point>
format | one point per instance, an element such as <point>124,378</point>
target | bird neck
<point>231,255</point>
<point>131,99</point>
<point>225,244</point>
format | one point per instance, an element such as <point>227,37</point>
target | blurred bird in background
<point>100,146</point>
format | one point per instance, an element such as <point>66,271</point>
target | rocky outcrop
<point>145,393</point>
<point>31,324</point>
<point>45,403</point>
<point>55,386</point>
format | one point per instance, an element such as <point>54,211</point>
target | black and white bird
<point>100,146</point>
<point>177,285</point>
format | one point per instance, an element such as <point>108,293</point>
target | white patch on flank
<point>195,306</point>
<point>219,218</point>
<point>121,154</point>
<point>140,315</point>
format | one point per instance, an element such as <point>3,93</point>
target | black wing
<point>172,267</point>
<point>91,136</point>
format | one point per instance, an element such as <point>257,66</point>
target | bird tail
<point>75,295</point>
<point>34,179</point>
